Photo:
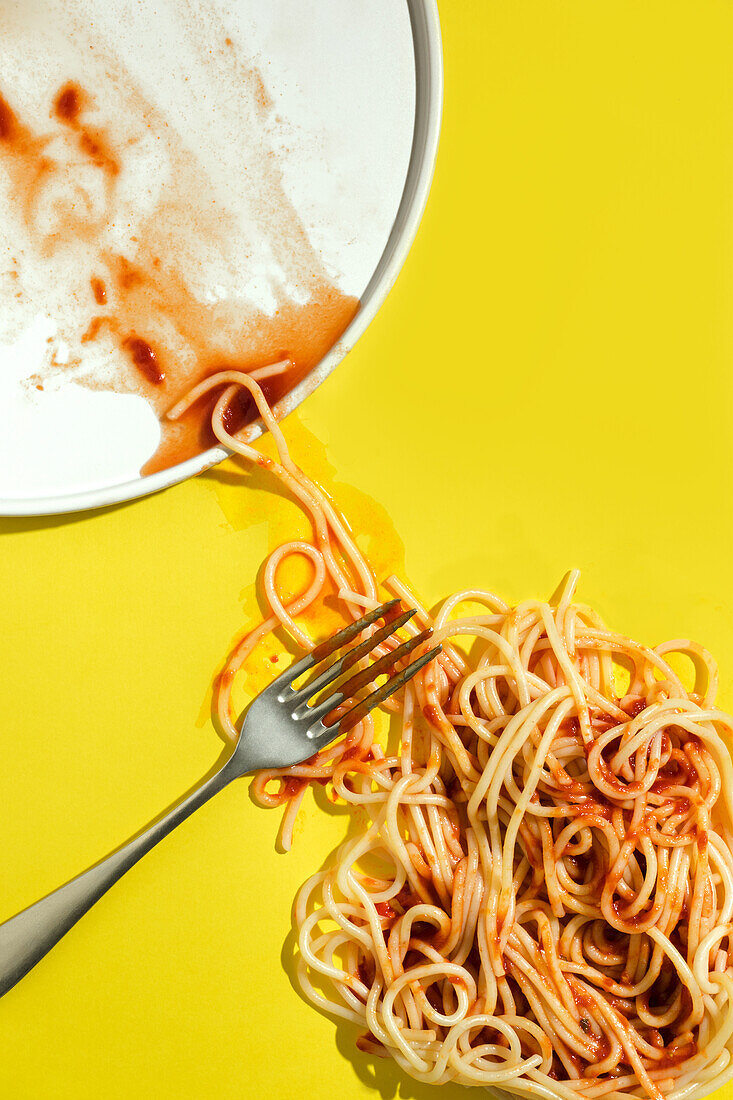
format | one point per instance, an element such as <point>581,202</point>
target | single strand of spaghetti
<point>246,646</point>
<point>571,676</point>
<point>680,645</point>
<point>704,976</point>
<point>695,929</point>
<point>474,893</point>
<point>330,946</point>
<point>325,1004</point>
<point>288,821</point>
<point>528,645</point>
<point>268,418</point>
<point>235,661</point>
<point>679,865</point>
<point>619,643</point>
<point>569,586</point>
<point>308,925</point>
<point>497,1077</point>
<point>451,826</point>
<point>348,879</point>
<point>290,549</point>
<point>722,859</point>
<point>408,728</point>
<point>302,487</point>
<point>463,990</point>
<point>533,1029</point>
<point>237,378</point>
<point>472,596</point>
<point>447,734</point>
<point>339,913</point>
<point>488,985</point>
<point>398,588</point>
<point>723,1036</point>
<point>535,1088</point>
<point>565,626</point>
<point>702,764</point>
<point>401,932</point>
<point>273,370</point>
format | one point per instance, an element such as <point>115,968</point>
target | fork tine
<point>325,649</point>
<point>351,657</point>
<point>384,664</point>
<point>366,705</point>
<point>331,645</point>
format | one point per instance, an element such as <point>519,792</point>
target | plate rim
<point>427,43</point>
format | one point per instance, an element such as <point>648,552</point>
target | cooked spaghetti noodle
<point>543,899</point>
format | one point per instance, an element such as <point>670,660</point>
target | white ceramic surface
<point>355,93</point>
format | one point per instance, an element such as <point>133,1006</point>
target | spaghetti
<point>542,900</point>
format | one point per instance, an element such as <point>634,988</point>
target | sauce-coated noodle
<point>553,906</point>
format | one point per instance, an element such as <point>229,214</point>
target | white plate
<point>334,111</point>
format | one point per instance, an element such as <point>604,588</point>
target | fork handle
<point>27,937</point>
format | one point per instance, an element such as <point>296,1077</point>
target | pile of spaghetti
<point>542,898</point>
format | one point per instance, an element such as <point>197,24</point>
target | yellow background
<point>547,386</point>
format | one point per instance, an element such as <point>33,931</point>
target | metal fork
<point>281,729</point>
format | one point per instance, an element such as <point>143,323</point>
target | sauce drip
<point>145,359</point>
<point>8,122</point>
<point>69,105</point>
<point>99,290</point>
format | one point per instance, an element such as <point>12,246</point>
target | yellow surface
<point>547,386</point>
